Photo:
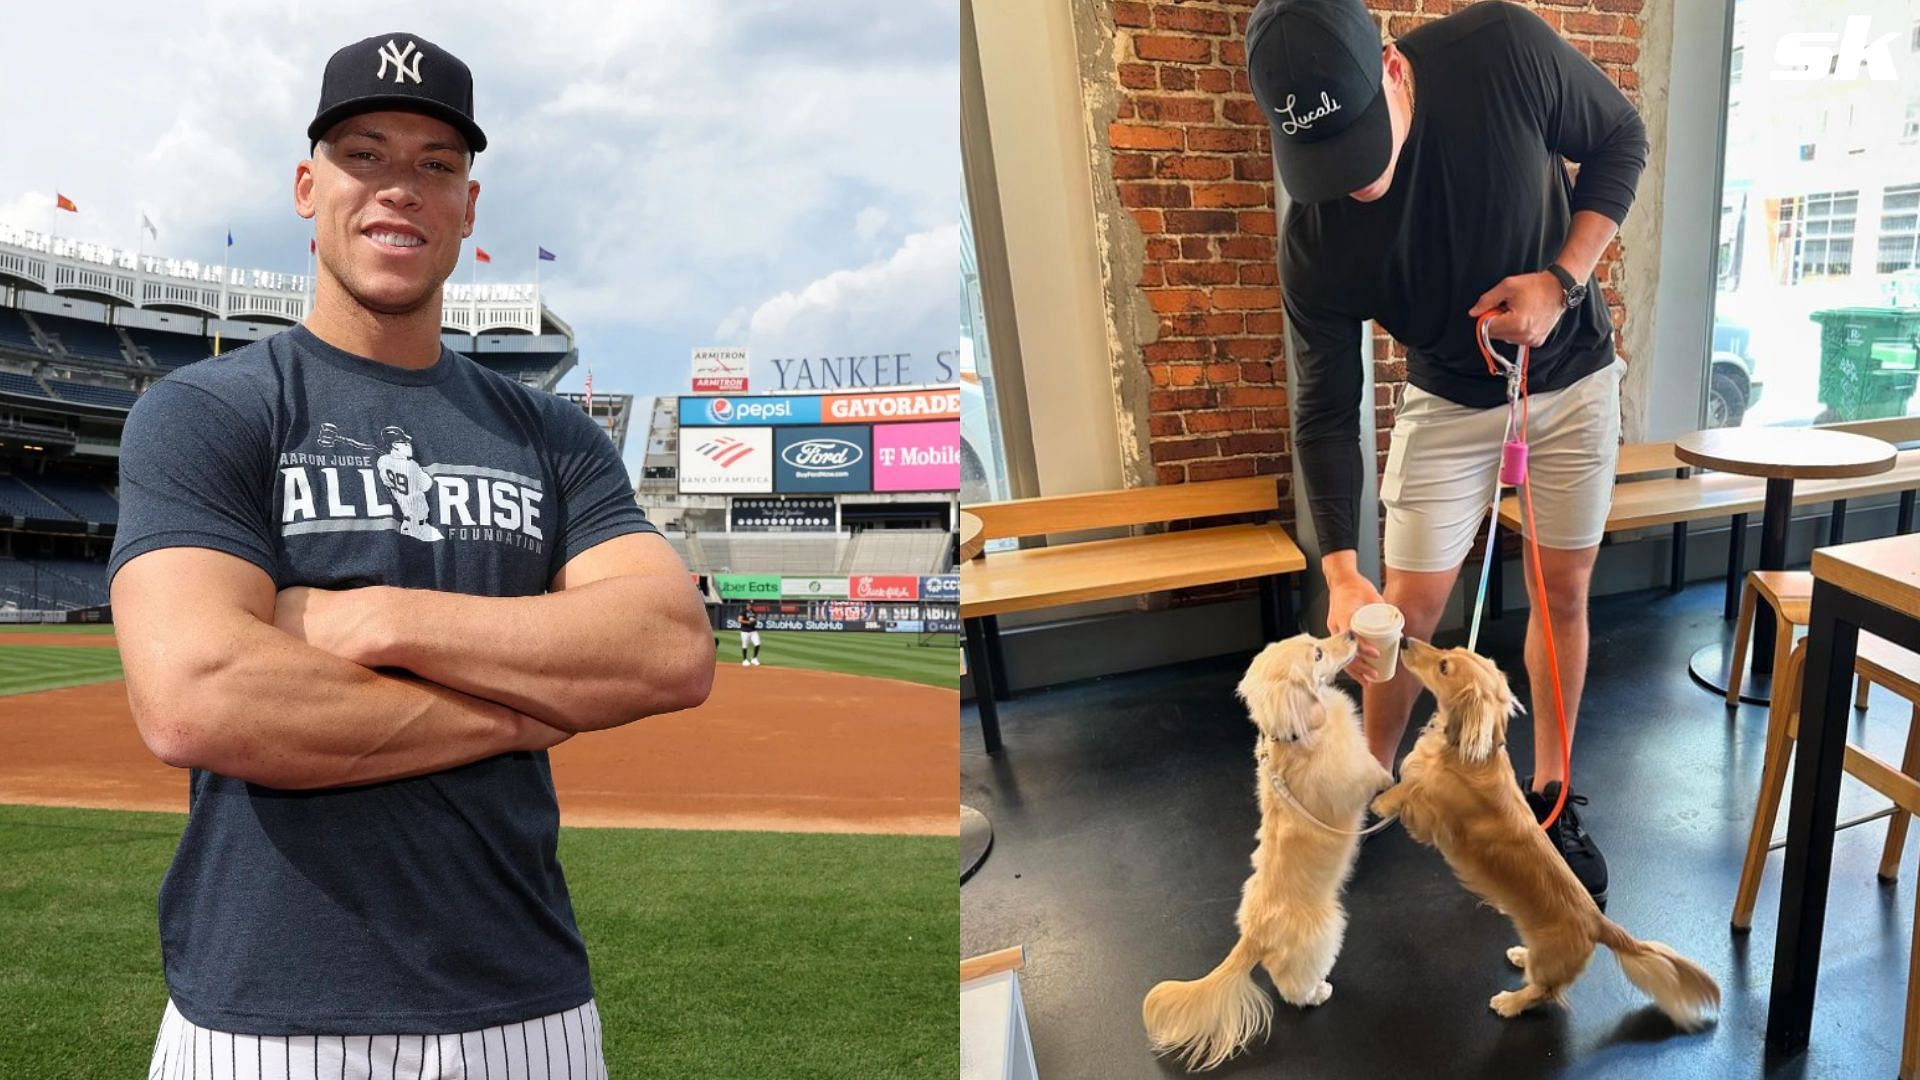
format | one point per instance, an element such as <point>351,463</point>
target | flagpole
<point>139,261</point>
<point>310,286</point>
<point>226,260</point>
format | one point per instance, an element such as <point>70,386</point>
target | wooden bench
<point>1680,496</point>
<point>1059,573</point>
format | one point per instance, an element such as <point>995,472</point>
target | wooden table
<point>1872,586</point>
<point>1781,455</point>
<point>973,538</point>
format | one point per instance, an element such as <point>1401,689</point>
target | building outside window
<point>1820,158</point>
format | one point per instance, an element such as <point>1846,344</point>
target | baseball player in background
<point>749,635</point>
<point>364,662</point>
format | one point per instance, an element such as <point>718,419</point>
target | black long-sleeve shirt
<point>1479,194</point>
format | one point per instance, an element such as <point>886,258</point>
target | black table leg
<point>1773,556</point>
<point>1736,565</point>
<point>980,666</point>
<point>1906,513</point>
<point>999,675</point>
<point>1677,568</point>
<point>1837,525</point>
<point>1825,689</point>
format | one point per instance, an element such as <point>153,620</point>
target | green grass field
<point>56,628</point>
<point>28,668</point>
<point>887,656</point>
<point>715,954</point>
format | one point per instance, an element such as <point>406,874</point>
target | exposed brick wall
<point>1191,163</point>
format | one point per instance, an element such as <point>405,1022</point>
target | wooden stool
<point>1790,594</point>
<point>1899,671</point>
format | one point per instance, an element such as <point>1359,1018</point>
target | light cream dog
<point>1457,793</point>
<point>1290,919</point>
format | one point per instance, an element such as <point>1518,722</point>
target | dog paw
<point>1508,1003</point>
<point>1320,994</point>
<point>1517,956</point>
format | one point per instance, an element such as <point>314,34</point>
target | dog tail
<point>1208,1020</point>
<point>1680,987</point>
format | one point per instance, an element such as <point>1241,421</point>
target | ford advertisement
<point>823,459</point>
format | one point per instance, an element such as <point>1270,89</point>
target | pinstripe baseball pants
<point>559,1046</point>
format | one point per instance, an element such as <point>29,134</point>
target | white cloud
<point>868,222</point>
<point>908,302</point>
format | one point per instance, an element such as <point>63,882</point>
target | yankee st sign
<point>865,371</point>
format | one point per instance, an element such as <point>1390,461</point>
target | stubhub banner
<point>753,411</point>
<point>944,587</point>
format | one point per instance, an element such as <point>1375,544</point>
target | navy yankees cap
<point>1315,69</point>
<point>404,72</point>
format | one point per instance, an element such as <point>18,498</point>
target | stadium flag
<point>589,391</point>
<point>229,237</point>
<point>547,256</point>
<point>61,202</point>
<point>313,245</point>
<point>147,224</point>
<point>480,255</point>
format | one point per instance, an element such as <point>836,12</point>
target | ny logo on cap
<point>398,57</point>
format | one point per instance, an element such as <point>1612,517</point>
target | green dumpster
<point>1867,361</point>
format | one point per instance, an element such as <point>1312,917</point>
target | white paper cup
<point>1379,625</point>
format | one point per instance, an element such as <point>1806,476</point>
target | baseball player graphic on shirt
<point>408,483</point>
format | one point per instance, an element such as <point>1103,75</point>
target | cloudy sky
<point>761,173</point>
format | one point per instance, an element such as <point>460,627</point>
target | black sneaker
<point>1571,839</point>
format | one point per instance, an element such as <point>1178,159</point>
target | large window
<point>983,455</point>
<point>1819,243</point>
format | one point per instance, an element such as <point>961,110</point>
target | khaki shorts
<point>1444,457</point>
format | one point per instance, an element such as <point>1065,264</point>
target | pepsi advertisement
<point>823,459</point>
<point>749,411</point>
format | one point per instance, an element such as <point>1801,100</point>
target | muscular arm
<point>214,685</point>
<point>622,636</point>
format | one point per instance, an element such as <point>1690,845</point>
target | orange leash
<point>1517,400</point>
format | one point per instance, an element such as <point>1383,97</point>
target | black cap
<point>404,72</point>
<point>1315,69</point>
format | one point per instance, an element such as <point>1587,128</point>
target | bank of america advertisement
<point>727,461</point>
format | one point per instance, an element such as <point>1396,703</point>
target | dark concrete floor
<point>1124,816</point>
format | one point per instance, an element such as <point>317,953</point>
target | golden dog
<point>1457,793</point>
<point>1290,918</point>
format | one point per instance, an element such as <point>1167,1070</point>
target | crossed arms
<point>297,689</point>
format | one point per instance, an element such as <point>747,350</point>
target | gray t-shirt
<point>428,905</point>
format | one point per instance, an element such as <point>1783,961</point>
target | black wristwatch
<point>1576,291</point>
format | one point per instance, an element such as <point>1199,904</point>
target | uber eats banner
<point>748,586</point>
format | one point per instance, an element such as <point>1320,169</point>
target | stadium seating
<point>14,382</point>
<point>872,551</point>
<point>92,395</point>
<point>518,365</point>
<point>96,341</point>
<point>916,551</point>
<point>170,350</point>
<point>19,500</point>
<point>15,334</point>
<point>85,500</point>
<point>52,584</point>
